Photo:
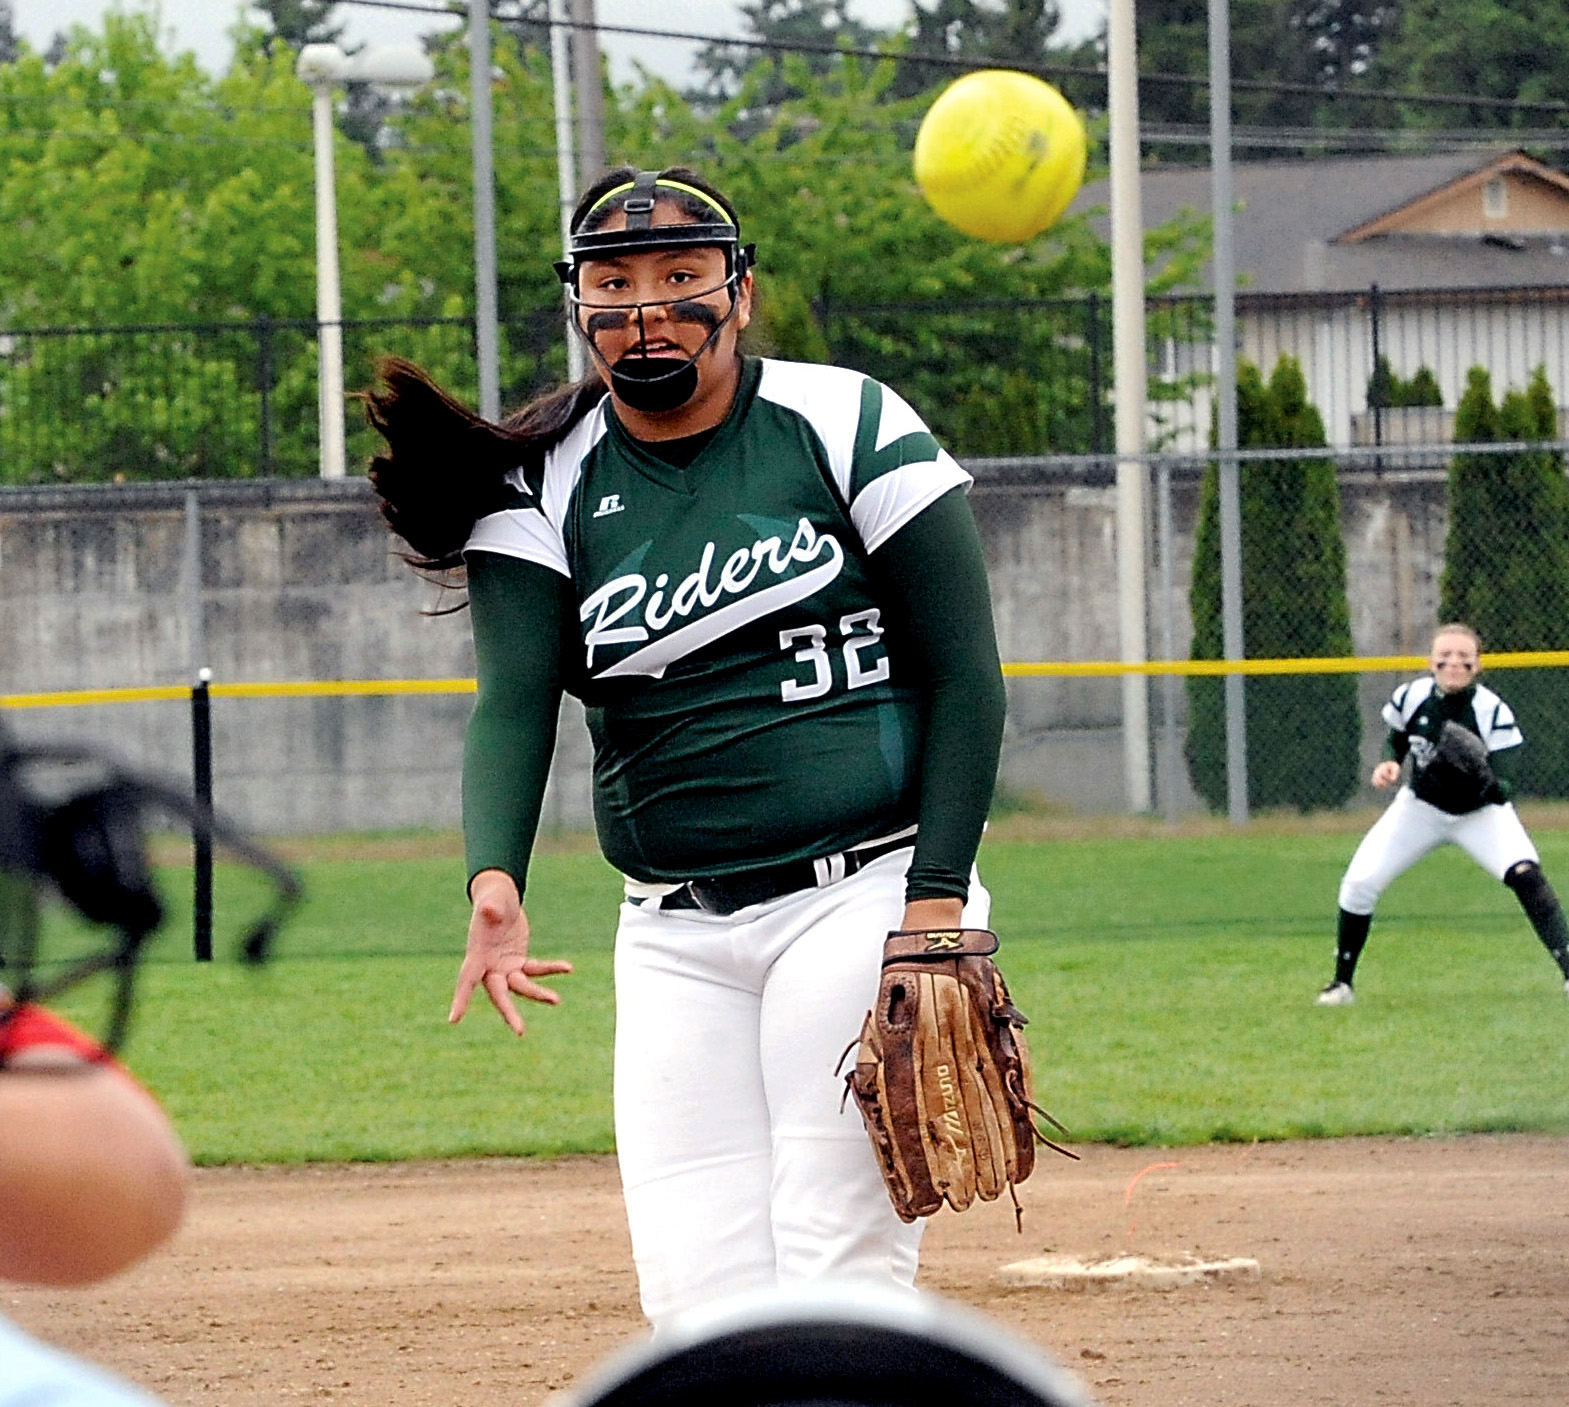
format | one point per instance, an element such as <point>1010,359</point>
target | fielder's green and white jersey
<point>1419,711</point>
<point>747,699</point>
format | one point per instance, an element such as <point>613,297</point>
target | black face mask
<point>656,384</point>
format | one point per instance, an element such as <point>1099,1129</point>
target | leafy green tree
<point>1494,48</point>
<point>1506,561</point>
<point>825,188</point>
<point>137,190</point>
<point>526,23</point>
<point>1303,730</point>
<point>1346,34</point>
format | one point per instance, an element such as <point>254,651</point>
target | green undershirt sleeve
<point>521,613</point>
<point>932,575</point>
<point>1504,762</point>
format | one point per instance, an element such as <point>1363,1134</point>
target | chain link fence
<point>1402,464</point>
<point>998,378</point>
<point>220,400</point>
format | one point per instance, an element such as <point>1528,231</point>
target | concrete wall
<point>99,588</point>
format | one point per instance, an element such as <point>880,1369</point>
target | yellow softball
<point>1000,154</point>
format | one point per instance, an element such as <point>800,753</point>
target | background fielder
<point>1422,817</point>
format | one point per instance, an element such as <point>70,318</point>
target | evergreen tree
<point>1423,388</point>
<point>1385,388</point>
<point>527,21</point>
<point>296,23</point>
<point>1012,32</point>
<point>816,22</point>
<point>1506,561</point>
<point>1383,385</point>
<point>1326,45</point>
<point>1303,730</point>
<point>10,44</point>
<point>1001,32</point>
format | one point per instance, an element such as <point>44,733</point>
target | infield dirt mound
<point>1424,1272</point>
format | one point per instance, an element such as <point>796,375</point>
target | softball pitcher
<point>1438,804</point>
<point>763,580</point>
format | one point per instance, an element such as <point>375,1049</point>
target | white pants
<point>1491,835</point>
<point>739,1166</point>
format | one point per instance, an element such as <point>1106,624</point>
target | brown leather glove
<point>942,1077</point>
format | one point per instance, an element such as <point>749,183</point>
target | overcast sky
<point>202,25</point>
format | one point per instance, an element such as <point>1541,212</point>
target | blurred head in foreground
<point>851,1346</point>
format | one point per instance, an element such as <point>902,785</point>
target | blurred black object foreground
<point>73,821</point>
<point>844,1346</point>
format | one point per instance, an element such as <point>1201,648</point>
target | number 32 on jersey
<point>858,639</point>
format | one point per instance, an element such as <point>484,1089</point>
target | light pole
<point>323,67</point>
<point>1128,352</point>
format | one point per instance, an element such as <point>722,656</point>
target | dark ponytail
<point>444,467</point>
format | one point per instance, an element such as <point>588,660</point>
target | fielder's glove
<point>1458,778</point>
<point>942,1077</point>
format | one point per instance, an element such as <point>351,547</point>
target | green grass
<point>1170,982</point>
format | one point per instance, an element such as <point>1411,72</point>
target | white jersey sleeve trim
<point>523,533</point>
<point>889,502</point>
<point>1405,701</point>
<point>536,534</point>
<point>1497,721</point>
<point>828,398</point>
<point>897,420</point>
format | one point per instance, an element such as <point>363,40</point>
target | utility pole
<point>1223,267</point>
<point>590,94</point>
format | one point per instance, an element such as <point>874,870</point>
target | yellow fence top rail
<point>69,698</point>
<point>1341,664</point>
<point>288,689</point>
<point>1051,669</point>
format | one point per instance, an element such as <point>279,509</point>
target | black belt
<point>724,894</point>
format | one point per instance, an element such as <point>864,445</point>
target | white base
<point>1072,1273</point>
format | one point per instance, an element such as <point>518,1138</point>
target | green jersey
<point>748,698</point>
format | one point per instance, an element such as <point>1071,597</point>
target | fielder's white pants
<point>1409,828</point>
<point>739,1167</point>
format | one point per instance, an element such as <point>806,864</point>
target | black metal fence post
<point>264,376</point>
<point>201,769</point>
<point>1092,330</point>
<point>1375,308</point>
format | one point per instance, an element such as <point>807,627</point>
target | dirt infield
<point>1413,1271</point>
